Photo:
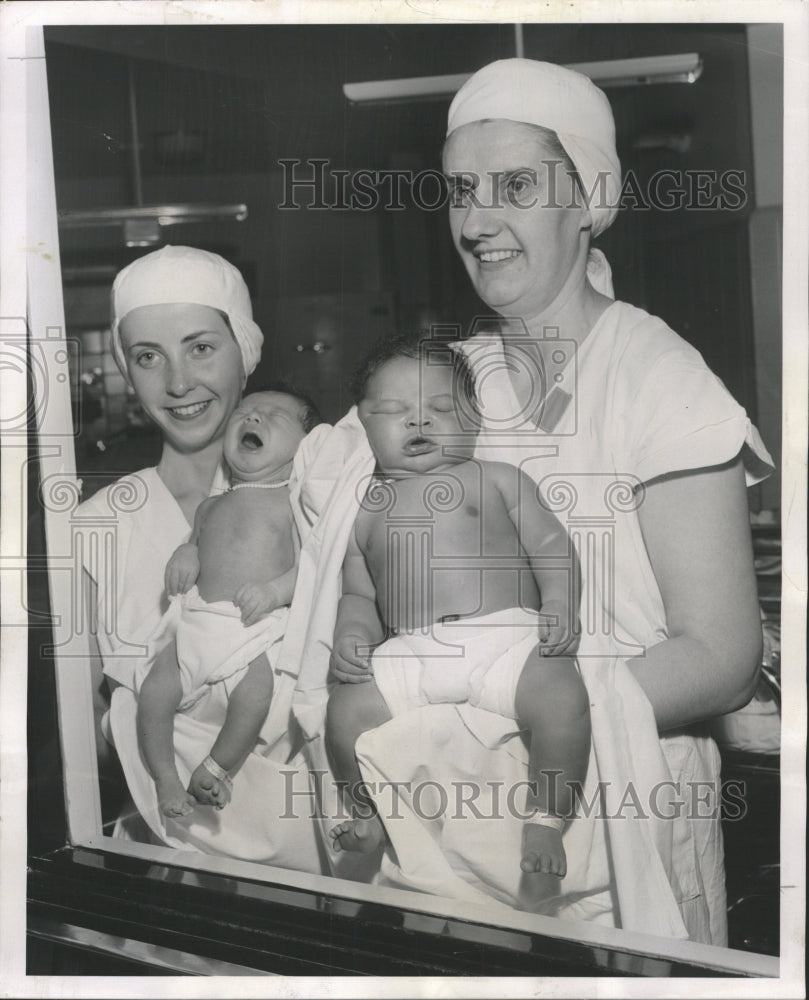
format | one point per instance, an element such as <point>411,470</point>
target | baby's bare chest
<point>243,522</point>
<point>445,516</point>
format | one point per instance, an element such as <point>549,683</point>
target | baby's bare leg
<point>246,712</point>
<point>157,704</point>
<point>353,709</point>
<point>552,703</point>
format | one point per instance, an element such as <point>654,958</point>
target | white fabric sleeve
<point>305,515</point>
<point>684,418</point>
<point>318,465</point>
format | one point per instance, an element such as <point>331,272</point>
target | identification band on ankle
<point>211,766</point>
<point>540,818</point>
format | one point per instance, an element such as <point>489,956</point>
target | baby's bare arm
<point>182,569</point>
<point>284,585</point>
<point>258,599</point>
<point>550,551</point>
<point>358,623</point>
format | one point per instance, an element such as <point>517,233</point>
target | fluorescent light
<point>683,68</point>
<point>415,88</point>
<point>163,215</point>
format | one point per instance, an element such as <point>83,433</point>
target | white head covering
<point>568,103</point>
<point>184,274</point>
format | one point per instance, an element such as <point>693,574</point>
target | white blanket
<point>477,660</point>
<point>261,822</point>
<point>214,645</point>
<point>619,868</point>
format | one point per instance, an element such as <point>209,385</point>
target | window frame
<point>71,653</point>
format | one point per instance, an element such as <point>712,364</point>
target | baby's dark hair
<point>420,345</point>
<point>310,415</point>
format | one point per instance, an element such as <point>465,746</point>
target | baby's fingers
<point>349,673</point>
<point>553,642</point>
<point>251,613</point>
<point>251,603</point>
<point>355,662</point>
<point>347,678</point>
<point>245,598</point>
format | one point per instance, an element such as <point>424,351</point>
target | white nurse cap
<point>185,274</point>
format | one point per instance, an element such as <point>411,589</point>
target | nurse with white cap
<point>184,338</point>
<point>612,400</point>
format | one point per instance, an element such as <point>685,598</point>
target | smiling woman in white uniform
<point>630,408</point>
<point>184,337</point>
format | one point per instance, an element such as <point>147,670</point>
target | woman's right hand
<point>182,569</point>
<point>347,664</point>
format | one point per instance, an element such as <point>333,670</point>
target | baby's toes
<point>204,792</point>
<point>219,796</point>
<point>207,782</point>
<point>184,807</point>
<point>530,862</point>
<point>176,808</point>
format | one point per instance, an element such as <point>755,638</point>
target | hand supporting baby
<point>558,635</point>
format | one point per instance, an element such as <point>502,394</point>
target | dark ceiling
<point>243,97</point>
<point>254,94</point>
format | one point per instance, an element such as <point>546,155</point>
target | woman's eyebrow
<point>199,333</point>
<point>186,339</point>
<point>143,343</point>
<point>510,172</point>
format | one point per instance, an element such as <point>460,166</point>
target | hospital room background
<point>227,127</point>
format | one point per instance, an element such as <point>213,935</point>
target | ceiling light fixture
<point>683,68</point>
<point>142,224</point>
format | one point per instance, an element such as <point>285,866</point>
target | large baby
<point>458,586</point>
<point>235,575</point>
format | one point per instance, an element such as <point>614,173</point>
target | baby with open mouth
<point>234,579</point>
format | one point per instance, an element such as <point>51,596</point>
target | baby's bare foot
<point>363,835</point>
<point>173,800</point>
<point>207,789</point>
<point>538,893</point>
<point>542,850</point>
